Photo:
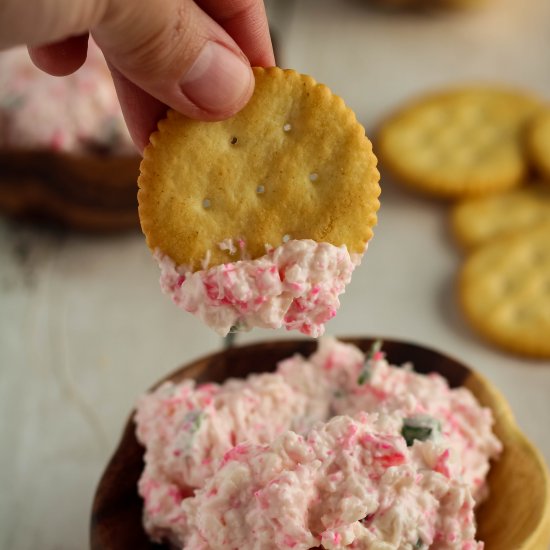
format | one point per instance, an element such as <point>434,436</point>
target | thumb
<point>175,52</point>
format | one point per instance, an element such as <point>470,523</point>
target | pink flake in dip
<point>295,286</point>
<point>315,453</point>
<point>300,492</point>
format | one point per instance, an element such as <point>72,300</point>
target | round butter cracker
<point>460,143</point>
<point>475,221</point>
<point>538,143</point>
<point>504,290</point>
<point>293,164</point>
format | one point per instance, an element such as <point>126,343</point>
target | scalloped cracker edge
<point>504,291</point>
<point>294,163</point>
<point>458,143</point>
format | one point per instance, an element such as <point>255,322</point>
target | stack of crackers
<point>488,150</point>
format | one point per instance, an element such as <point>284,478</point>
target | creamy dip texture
<point>295,285</point>
<point>341,450</point>
<point>73,114</point>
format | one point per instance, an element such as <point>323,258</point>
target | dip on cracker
<point>78,114</point>
<point>340,449</point>
<point>261,219</point>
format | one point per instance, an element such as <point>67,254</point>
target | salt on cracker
<point>505,291</point>
<point>294,163</point>
<point>538,143</point>
<point>475,221</point>
<point>459,143</point>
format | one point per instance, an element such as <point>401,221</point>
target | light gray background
<point>84,328</point>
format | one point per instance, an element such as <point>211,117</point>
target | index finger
<point>246,22</point>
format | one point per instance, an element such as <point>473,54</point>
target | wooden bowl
<point>93,192</point>
<point>515,517</point>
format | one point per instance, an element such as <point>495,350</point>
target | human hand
<point>193,56</point>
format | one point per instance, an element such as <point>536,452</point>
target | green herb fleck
<point>364,376</point>
<point>419,544</point>
<point>419,427</point>
<point>366,371</point>
<point>239,326</point>
<point>193,420</point>
<point>229,340</point>
<point>189,427</point>
<point>12,101</point>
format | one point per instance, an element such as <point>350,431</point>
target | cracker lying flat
<point>475,221</point>
<point>538,143</point>
<point>505,291</point>
<point>460,143</point>
<point>294,163</point>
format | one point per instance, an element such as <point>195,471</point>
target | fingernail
<point>217,80</point>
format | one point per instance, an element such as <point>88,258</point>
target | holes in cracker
<point>540,257</point>
<point>260,189</point>
<point>313,177</point>
<point>523,314</point>
<point>234,140</point>
<point>287,127</point>
<point>286,238</point>
<point>510,285</point>
<point>206,203</point>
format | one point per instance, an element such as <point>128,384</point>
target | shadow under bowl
<point>516,515</point>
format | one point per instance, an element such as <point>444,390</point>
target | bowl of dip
<point>514,509</point>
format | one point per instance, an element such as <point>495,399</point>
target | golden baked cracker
<point>458,143</point>
<point>504,289</point>
<point>475,221</point>
<point>538,143</point>
<point>294,163</point>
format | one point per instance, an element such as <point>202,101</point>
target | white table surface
<point>84,328</point>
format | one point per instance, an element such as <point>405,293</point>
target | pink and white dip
<point>295,285</point>
<point>316,453</point>
<point>74,114</point>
